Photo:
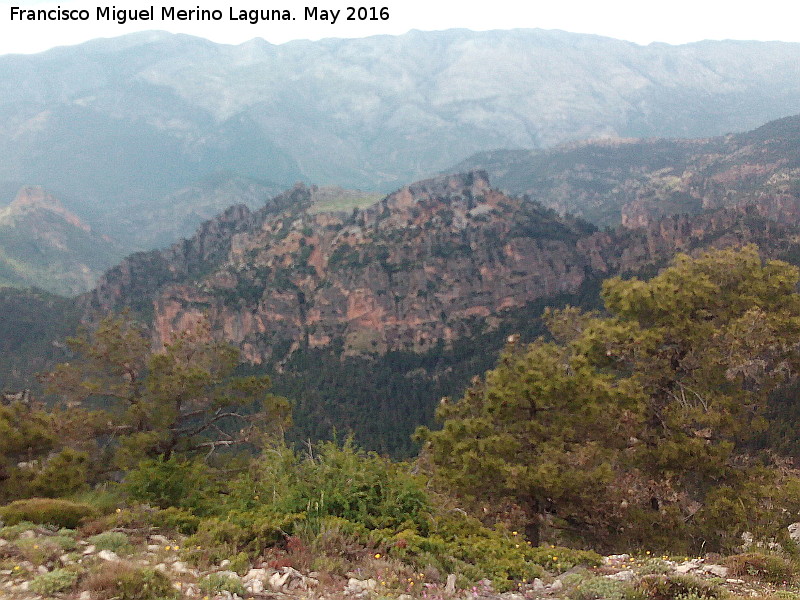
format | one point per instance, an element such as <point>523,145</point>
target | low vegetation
<point>625,431</point>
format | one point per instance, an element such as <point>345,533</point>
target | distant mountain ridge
<point>43,243</point>
<point>635,182</point>
<point>125,122</point>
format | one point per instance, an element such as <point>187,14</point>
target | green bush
<point>116,541</point>
<point>121,581</point>
<point>63,474</point>
<point>171,483</point>
<point>61,513</point>
<point>767,567</point>
<point>216,582</point>
<point>175,519</point>
<point>57,580</point>
<point>12,532</point>
<point>560,559</point>
<point>335,481</point>
<point>249,532</point>
<point>671,587</point>
<point>596,588</point>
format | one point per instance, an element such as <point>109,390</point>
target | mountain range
<point>114,127</point>
<point>365,316</point>
<point>366,307</point>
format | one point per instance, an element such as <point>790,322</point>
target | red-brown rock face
<point>428,263</point>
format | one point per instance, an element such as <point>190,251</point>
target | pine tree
<point>183,399</point>
<point>633,425</point>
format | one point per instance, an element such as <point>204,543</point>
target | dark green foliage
<point>32,323</point>
<point>182,400</point>
<point>632,429</point>
<point>46,511</point>
<point>175,482</point>
<point>382,399</point>
<point>333,481</point>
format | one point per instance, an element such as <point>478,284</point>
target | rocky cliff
<point>435,261</point>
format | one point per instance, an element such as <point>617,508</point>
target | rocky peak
<point>34,198</point>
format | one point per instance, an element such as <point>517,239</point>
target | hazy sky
<point>639,21</point>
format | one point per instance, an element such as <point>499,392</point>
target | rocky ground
<point>38,563</point>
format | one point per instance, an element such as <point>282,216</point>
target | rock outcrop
<point>430,263</point>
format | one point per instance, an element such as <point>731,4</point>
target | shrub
<point>63,474</point>
<point>39,550</point>
<point>336,481</point>
<point>61,513</point>
<point>57,580</point>
<point>171,483</point>
<point>116,541</point>
<point>562,559</point>
<point>654,566</point>
<point>250,532</point>
<point>217,582</point>
<point>671,587</point>
<point>122,581</point>
<point>768,567</point>
<point>12,532</point>
<point>175,519</point>
<point>595,588</point>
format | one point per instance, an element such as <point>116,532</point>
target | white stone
<point>556,585</point>
<point>255,586</point>
<point>625,575</point>
<point>229,574</point>
<point>616,558</point>
<point>180,567</point>
<point>225,564</point>
<point>41,569</point>
<point>450,588</point>
<point>108,555</point>
<point>538,585</point>
<point>27,535</point>
<point>85,596</point>
<point>153,547</point>
<point>716,570</point>
<point>89,550</point>
<point>685,567</point>
<point>794,532</point>
<point>734,581</point>
<point>160,539</point>
<point>278,580</point>
<point>260,574</point>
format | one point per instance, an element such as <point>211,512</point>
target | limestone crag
<point>430,263</point>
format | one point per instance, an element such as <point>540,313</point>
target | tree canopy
<point>635,420</point>
<point>182,399</point>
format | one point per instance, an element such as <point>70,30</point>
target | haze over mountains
<point>113,127</point>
